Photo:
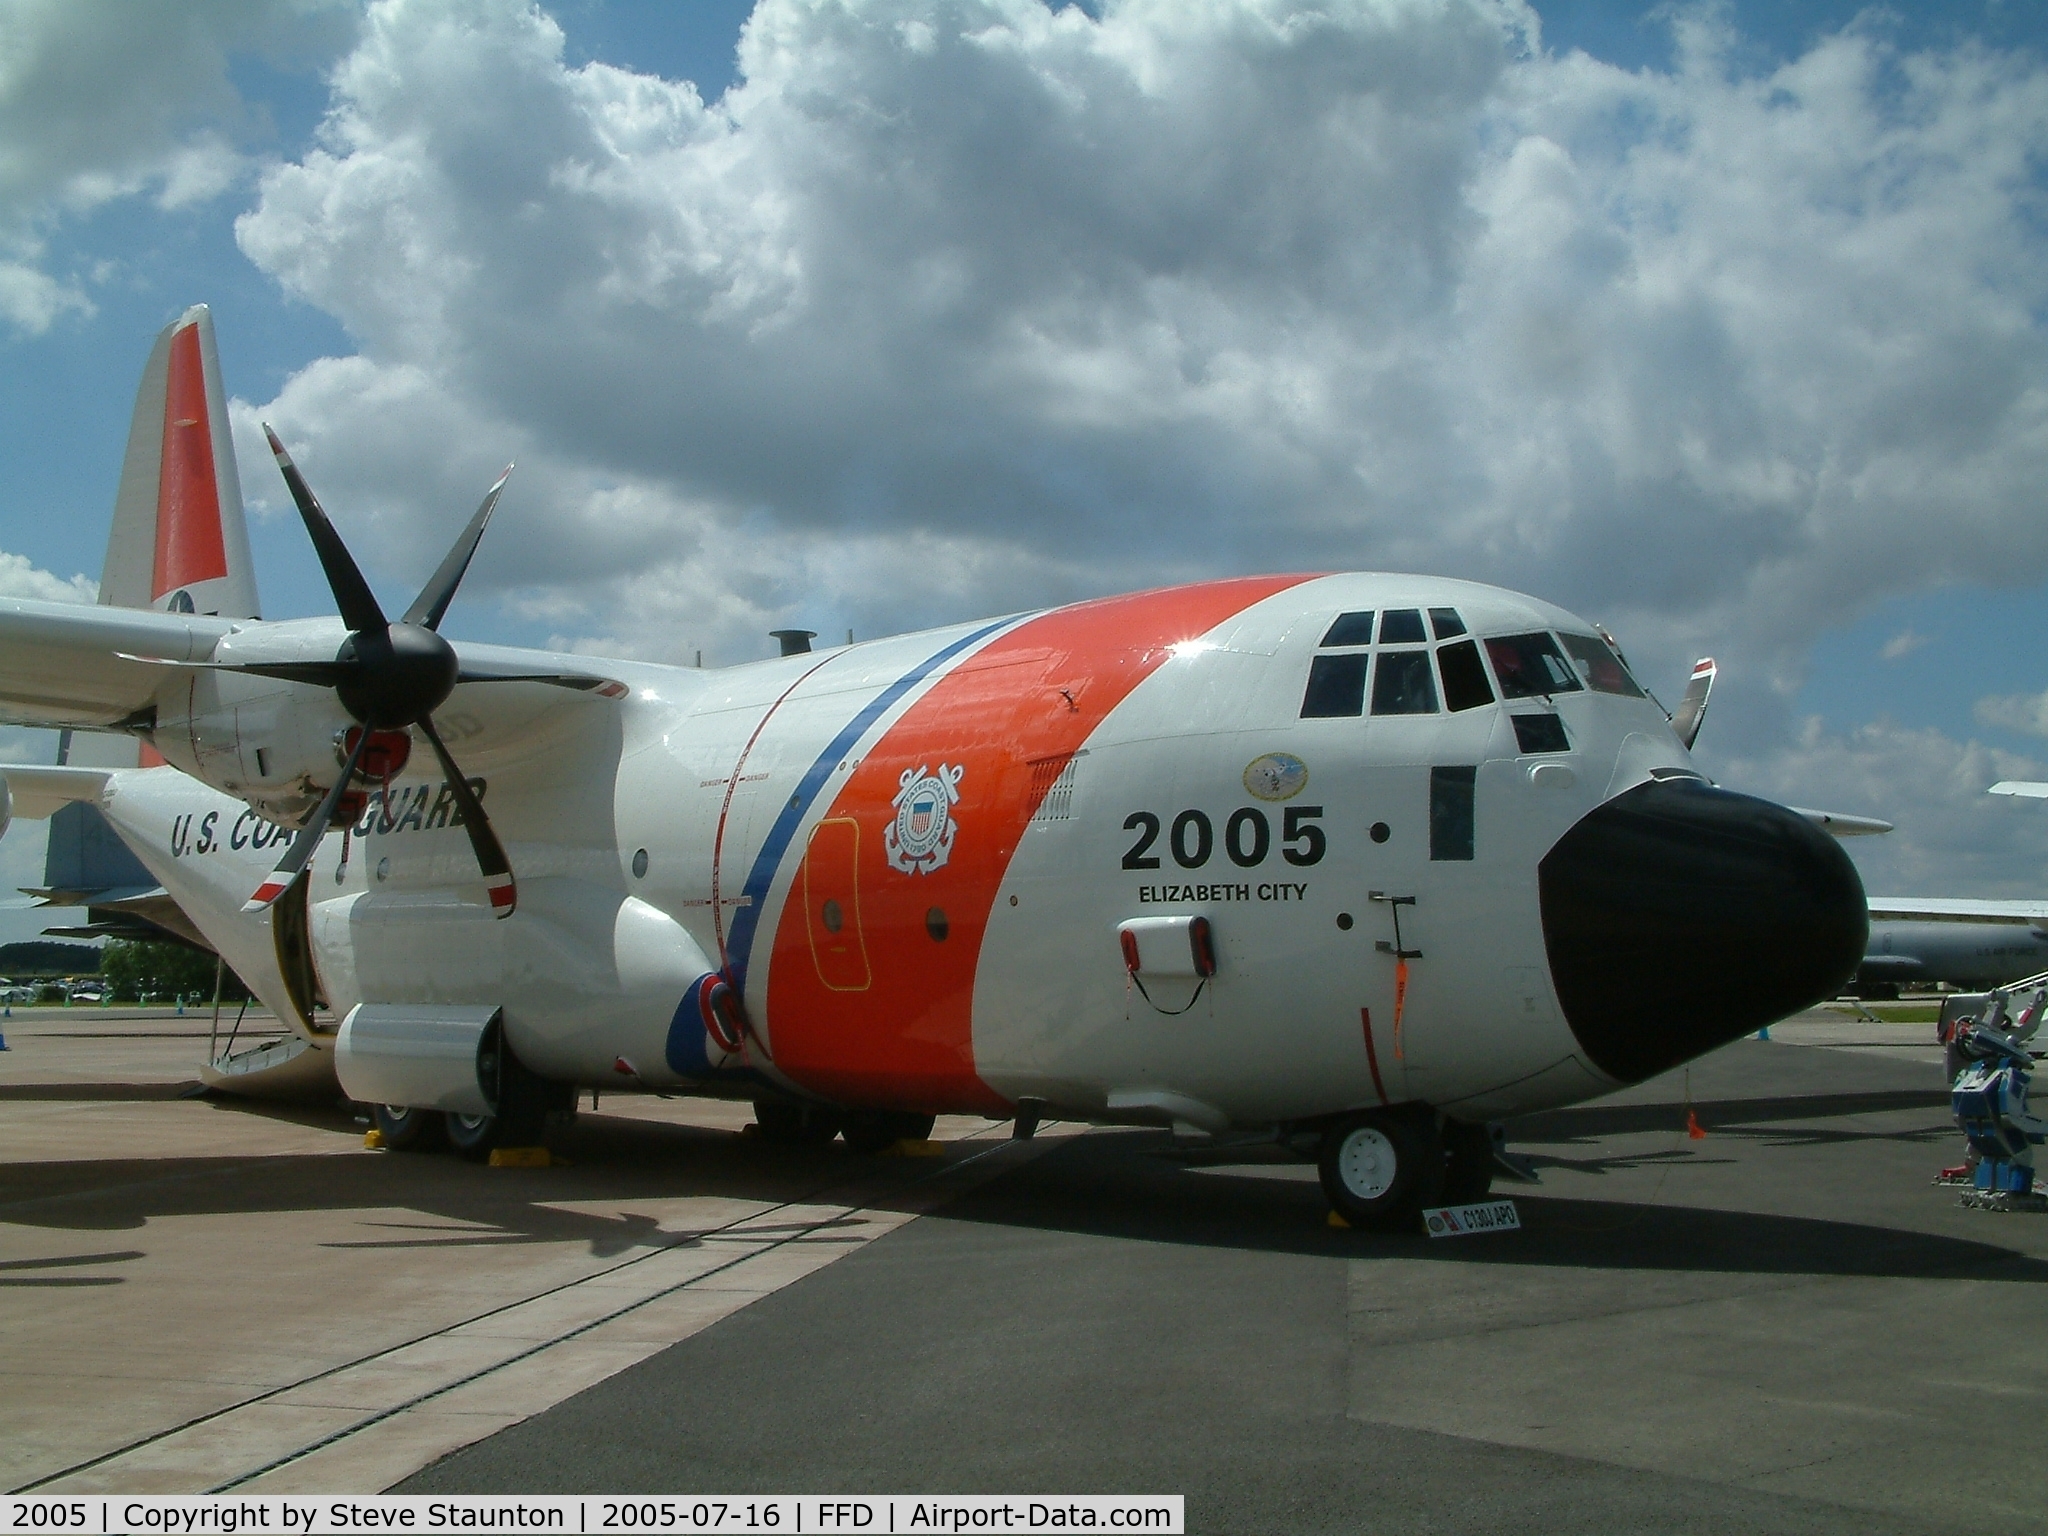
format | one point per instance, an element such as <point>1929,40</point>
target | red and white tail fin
<point>179,541</point>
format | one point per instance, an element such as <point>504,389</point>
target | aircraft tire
<point>473,1135</point>
<point>1380,1167</point>
<point>877,1130</point>
<point>789,1124</point>
<point>1468,1163</point>
<point>405,1128</point>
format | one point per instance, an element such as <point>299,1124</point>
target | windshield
<point>1600,667</point>
<point>1529,666</point>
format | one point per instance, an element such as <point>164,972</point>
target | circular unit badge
<point>1276,776</point>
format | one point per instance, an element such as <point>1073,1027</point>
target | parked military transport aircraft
<point>1363,860</point>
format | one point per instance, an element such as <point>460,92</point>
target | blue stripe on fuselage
<point>746,920</point>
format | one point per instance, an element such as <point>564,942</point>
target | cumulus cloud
<point>99,102</point>
<point>1903,644</point>
<point>20,578</point>
<point>2026,713</point>
<point>954,305</point>
<point>1951,838</point>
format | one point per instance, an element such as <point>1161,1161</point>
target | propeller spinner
<point>391,677</point>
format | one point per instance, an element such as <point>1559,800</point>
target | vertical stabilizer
<point>179,542</point>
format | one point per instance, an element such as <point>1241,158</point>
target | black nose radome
<point>1679,917</point>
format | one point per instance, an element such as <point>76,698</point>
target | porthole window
<point>639,863</point>
<point>832,917</point>
<point>936,925</point>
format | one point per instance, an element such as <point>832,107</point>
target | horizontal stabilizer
<point>1844,826</point>
<point>2021,787</point>
<point>37,792</point>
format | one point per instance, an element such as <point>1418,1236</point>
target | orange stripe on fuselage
<point>907,1038</point>
<point>189,547</point>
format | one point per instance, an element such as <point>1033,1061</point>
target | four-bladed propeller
<point>391,677</point>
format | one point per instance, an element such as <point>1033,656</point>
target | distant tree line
<point>132,969</point>
<point>139,970</point>
<point>49,957</point>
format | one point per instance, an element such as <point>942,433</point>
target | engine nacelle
<point>272,744</point>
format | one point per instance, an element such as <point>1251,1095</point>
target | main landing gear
<point>518,1118</point>
<point>1381,1167</point>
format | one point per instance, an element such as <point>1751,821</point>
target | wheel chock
<point>520,1157</point>
<point>373,1140</point>
<point>912,1147</point>
<point>1339,1222</point>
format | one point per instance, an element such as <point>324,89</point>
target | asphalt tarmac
<point>1781,1326</point>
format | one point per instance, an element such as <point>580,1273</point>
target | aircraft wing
<point>2021,787</point>
<point>77,664</point>
<point>91,667</point>
<point>1958,909</point>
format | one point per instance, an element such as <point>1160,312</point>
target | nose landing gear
<point>1380,1167</point>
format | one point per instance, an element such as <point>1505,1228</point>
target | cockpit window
<point>1401,626</point>
<point>1336,686</point>
<point>1599,666</point>
<point>1350,629</point>
<point>1529,666</point>
<point>1465,685</point>
<point>1403,685</point>
<point>1446,623</point>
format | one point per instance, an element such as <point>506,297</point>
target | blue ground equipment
<point>1989,1098</point>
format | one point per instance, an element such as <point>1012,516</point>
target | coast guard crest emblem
<point>920,839</point>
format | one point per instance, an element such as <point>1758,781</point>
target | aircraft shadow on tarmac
<point>440,1201</point>
<point>1125,1185</point>
<point>1135,1186</point>
<point>16,1274</point>
<point>94,1093</point>
<point>1593,1120</point>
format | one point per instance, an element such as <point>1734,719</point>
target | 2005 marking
<point>1247,837</point>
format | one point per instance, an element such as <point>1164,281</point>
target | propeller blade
<point>490,853</point>
<point>328,674</point>
<point>352,595</point>
<point>1692,709</point>
<point>432,603</point>
<point>300,854</point>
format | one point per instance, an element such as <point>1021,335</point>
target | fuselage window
<point>1540,733</point>
<point>1403,685</point>
<point>1530,666</point>
<point>1350,629</point>
<point>1465,685</point>
<point>1446,623</point>
<point>1336,686</point>
<point>1600,667</point>
<point>1401,626</point>
<point>1450,812</point>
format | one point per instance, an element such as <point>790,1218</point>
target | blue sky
<point>1721,323</point>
